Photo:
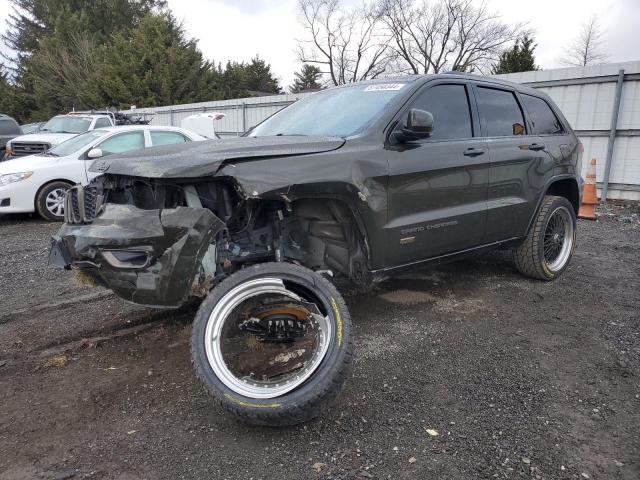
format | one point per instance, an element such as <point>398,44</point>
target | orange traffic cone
<point>589,194</point>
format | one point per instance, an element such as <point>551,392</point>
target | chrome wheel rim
<point>558,239</point>
<point>248,364</point>
<point>54,201</point>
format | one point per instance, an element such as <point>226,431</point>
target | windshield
<point>76,143</point>
<point>67,124</point>
<point>339,112</point>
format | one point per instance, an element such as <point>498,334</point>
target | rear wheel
<point>548,248</point>
<point>273,344</point>
<point>50,201</point>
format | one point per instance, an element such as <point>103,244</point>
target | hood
<point>51,138</point>
<point>25,164</point>
<point>200,159</point>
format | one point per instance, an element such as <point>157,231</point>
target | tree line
<point>84,54</point>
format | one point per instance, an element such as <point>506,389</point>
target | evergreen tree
<point>308,78</point>
<point>519,58</point>
<point>259,77</point>
<point>154,65</point>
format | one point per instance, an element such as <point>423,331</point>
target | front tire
<point>273,344</point>
<point>548,248</point>
<point>50,201</point>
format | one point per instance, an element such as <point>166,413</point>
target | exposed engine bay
<point>158,242</point>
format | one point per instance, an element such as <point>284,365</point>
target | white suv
<point>57,130</point>
<point>40,182</point>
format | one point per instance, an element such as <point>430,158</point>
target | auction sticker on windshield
<point>384,87</point>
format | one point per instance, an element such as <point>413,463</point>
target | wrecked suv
<point>356,182</point>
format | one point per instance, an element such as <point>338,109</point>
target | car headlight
<point>14,177</point>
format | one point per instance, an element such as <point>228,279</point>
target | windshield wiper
<point>50,154</point>
<point>290,135</point>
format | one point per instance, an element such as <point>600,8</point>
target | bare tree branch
<point>450,34</point>
<point>349,44</point>
<point>586,49</point>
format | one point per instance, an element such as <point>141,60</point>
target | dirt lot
<point>519,378</point>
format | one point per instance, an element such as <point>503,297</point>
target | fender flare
<point>545,189</point>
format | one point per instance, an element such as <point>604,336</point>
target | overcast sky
<point>240,29</point>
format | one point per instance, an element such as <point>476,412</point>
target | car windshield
<point>76,143</point>
<point>339,112</point>
<point>67,124</point>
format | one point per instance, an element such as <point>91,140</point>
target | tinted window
<point>102,122</point>
<point>122,143</point>
<point>449,106</point>
<point>166,138</point>
<point>9,127</point>
<point>542,117</point>
<point>501,113</point>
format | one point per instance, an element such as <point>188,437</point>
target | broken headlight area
<point>149,257</point>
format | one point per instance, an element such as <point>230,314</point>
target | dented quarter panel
<point>178,238</point>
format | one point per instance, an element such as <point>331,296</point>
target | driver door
<point>438,185</point>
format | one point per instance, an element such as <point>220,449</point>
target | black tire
<point>41,200</point>
<point>529,256</point>
<point>310,398</point>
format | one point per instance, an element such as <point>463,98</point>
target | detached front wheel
<point>273,344</point>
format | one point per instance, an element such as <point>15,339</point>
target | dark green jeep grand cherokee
<point>359,181</point>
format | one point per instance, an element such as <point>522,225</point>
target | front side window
<point>76,143</point>
<point>449,106</point>
<point>166,138</point>
<point>500,112</point>
<point>123,142</point>
<point>543,120</point>
<point>102,122</point>
<point>67,124</point>
<point>335,112</point>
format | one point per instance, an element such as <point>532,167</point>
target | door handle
<point>536,147</point>
<point>473,152</point>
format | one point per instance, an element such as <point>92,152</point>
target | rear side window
<point>102,122</point>
<point>449,106</point>
<point>543,119</point>
<point>166,138</point>
<point>9,127</point>
<point>500,112</point>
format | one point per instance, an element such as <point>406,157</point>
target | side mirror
<point>419,124</point>
<point>95,153</point>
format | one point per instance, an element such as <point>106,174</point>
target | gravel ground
<point>518,378</point>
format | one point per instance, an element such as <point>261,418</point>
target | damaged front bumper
<point>149,257</point>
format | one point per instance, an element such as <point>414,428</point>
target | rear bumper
<point>175,241</point>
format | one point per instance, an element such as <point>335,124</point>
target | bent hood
<point>199,159</point>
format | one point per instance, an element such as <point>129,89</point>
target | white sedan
<point>39,182</point>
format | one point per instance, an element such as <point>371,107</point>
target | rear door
<point>438,185</point>
<point>518,162</point>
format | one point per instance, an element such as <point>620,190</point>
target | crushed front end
<point>153,242</point>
